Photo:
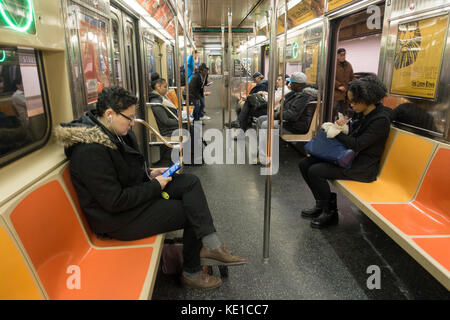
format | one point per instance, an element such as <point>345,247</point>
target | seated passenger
<point>245,114</point>
<point>165,119</point>
<point>367,137</point>
<point>296,113</point>
<point>122,199</point>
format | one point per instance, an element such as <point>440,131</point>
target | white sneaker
<point>205,117</point>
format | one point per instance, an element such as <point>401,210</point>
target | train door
<point>89,54</point>
<point>354,52</point>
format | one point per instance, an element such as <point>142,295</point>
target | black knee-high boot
<point>329,215</point>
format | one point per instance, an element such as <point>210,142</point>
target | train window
<point>129,35</point>
<point>94,55</point>
<point>311,61</point>
<point>170,68</point>
<point>24,122</point>
<point>149,59</point>
<point>117,65</point>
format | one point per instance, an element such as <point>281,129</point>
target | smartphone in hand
<point>174,168</point>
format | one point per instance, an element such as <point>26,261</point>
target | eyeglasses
<point>128,118</point>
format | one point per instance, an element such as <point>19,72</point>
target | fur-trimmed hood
<point>311,91</point>
<point>87,129</point>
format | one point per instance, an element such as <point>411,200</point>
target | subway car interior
<point>238,93</point>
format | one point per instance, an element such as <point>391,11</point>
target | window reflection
<point>22,119</point>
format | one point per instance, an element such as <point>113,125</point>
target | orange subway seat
<point>438,249</point>
<point>54,241</point>
<point>401,173</point>
<point>16,281</point>
<point>92,236</point>
<point>429,213</point>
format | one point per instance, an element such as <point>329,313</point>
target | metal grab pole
<point>186,78</point>
<point>223,75</point>
<point>284,65</point>
<point>230,65</point>
<point>178,83</point>
<point>270,115</point>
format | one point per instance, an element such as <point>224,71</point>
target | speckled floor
<point>304,263</point>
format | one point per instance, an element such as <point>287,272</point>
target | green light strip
<point>11,23</point>
<point>4,56</point>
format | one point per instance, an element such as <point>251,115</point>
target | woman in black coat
<point>122,199</point>
<point>368,134</point>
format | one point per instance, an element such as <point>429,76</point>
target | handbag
<point>172,257</point>
<point>330,150</point>
<point>257,101</point>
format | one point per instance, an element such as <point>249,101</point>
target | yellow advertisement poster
<point>418,55</point>
<point>333,4</point>
<point>311,62</point>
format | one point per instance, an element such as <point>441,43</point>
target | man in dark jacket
<point>296,112</point>
<point>196,90</point>
<point>247,110</point>
<point>261,84</point>
<point>344,74</point>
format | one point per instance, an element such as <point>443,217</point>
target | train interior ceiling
<point>56,57</point>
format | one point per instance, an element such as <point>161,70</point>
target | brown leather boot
<point>204,281</point>
<point>220,256</point>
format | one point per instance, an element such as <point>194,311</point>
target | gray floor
<point>304,263</point>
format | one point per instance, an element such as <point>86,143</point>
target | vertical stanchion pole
<point>178,82</point>
<point>230,64</point>
<point>186,89</point>
<point>246,69</point>
<point>270,106</point>
<point>223,74</point>
<point>284,65</point>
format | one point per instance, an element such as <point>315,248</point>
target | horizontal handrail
<point>158,135</point>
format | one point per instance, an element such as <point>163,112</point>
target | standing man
<point>196,91</point>
<point>344,74</point>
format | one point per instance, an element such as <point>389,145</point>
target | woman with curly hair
<point>123,200</point>
<point>369,130</point>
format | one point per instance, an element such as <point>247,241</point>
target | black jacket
<point>108,175</point>
<point>262,86</point>
<point>196,86</point>
<point>368,137</point>
<point>166,122</point>
<point>296,114</point>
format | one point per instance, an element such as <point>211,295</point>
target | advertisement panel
<point>418,57</point>
<point>94,55</point>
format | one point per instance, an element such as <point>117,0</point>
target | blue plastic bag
<point>330,150</point>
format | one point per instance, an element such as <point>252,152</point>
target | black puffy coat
<point>295,112</point>
<point>109,176</point>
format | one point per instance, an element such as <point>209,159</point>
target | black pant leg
<point>243,116</point>
<point>188,189</point>
<point>316,173</point>
<point>164,216</point>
